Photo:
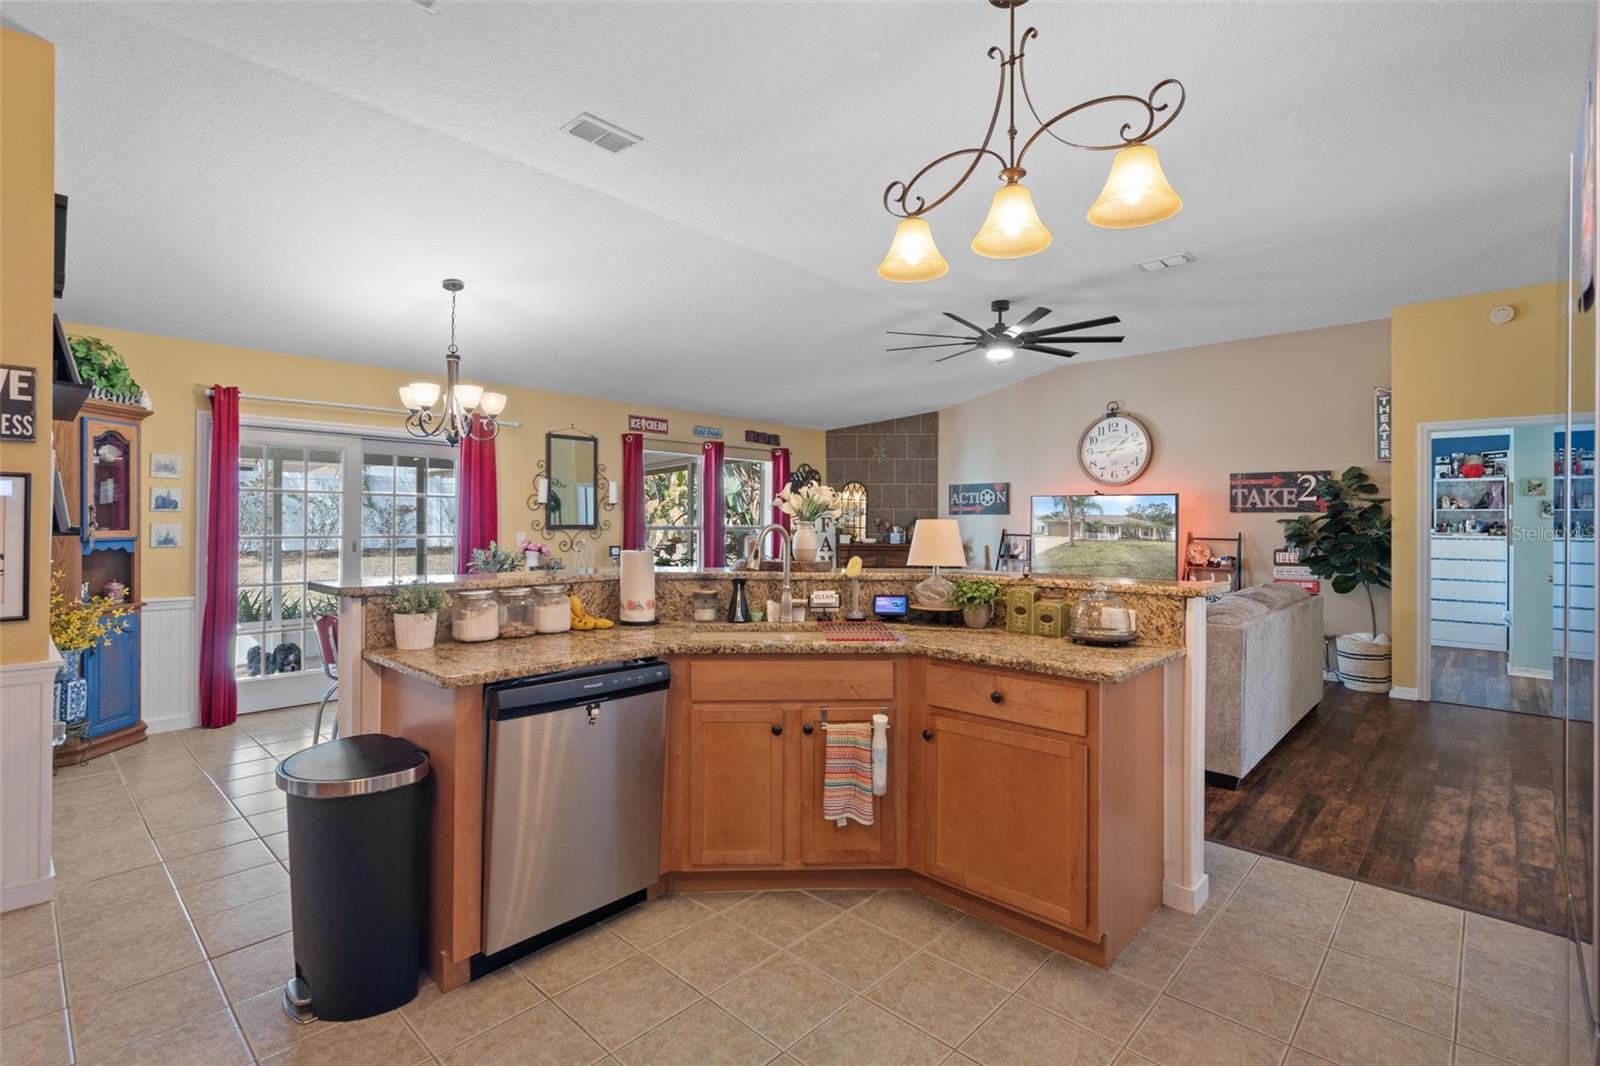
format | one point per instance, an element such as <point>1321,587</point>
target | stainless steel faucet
<point>786,604</point>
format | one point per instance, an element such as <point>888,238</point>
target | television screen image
<point>1107,536</point>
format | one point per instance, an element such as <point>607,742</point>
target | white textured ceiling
<point>299,176</point>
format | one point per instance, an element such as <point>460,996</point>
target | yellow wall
<point>177,372</point>
<point>1449,362</point>
<point>27,251</point>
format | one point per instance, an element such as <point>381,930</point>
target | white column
<point>27,870</point>
<point>1185,886</point>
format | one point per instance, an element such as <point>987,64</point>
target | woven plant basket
<point>1364,664</point>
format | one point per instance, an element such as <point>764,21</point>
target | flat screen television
<point>1107,536</point>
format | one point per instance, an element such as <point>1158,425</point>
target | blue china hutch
<point>98,457</point>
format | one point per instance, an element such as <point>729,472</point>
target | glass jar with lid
<point>516,613</point>
<point>475,616</point>
<point>1102,617</point>
<point>552,610</point>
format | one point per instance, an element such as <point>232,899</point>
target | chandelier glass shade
<point>1136,192</point>
<point>465,411</point>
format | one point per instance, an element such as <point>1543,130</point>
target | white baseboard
<point>169,664</point>
<point>1401,692</point>
<point>1528,671</point>
<point>1188,900</point>
<point>29,893</point>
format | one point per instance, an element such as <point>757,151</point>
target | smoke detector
<point>598,131</point>
<point>1166,262</point>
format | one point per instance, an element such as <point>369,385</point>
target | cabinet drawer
<point>746,678</point>
<point>1058,705</point>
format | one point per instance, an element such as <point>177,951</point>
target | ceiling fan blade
<point>914,347</point>
<point>1050,351</point>
<point>1083,340</point>
<point>1027,320</point>
<point>952,355</point>
<point>973,327</point>
<point>903,333</point>
<point>1087,323</point>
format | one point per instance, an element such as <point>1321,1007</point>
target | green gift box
<point>1019,608</point>
<point>1049,618</point>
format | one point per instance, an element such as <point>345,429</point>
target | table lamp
<point>936,542</point>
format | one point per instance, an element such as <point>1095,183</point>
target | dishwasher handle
<point>520,699</point>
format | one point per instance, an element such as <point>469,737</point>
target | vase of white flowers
<point>808,505</point>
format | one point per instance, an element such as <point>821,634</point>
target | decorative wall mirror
<point>572,495</point>
<point>853,510</point>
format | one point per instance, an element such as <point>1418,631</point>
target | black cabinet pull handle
<point>927,734</point>
<point>777,730</point>
<point>996,697</point>
<point>807,729</point>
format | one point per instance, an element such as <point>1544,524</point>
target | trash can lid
<point>352,766</point>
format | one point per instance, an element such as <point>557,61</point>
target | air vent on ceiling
<point>430,6</point>
<point>1166,262</point>
<point>598,131</point>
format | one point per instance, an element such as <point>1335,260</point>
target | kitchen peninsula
<point>1034,782</point>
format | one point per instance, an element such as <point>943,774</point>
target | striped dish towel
<point>847,773</point>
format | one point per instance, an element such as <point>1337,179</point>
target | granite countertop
<point>379,587</point>
<point>453,665</point>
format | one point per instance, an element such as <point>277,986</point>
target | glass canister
<point>1101,617</point>
<point>516,613</point>
<point>552,610</point>
<point>475,616</point>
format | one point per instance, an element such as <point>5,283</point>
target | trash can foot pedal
<point>297,1002</point>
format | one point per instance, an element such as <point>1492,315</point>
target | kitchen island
<point>1025,773</point>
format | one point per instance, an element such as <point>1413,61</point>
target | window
<point>408,512</point>
<point>671,508</point>
<point>747,501</point>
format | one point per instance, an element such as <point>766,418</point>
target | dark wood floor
<point>1474,677</point>
<point>1450,802</point>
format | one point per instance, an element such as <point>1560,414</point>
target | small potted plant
<point>494,560</point>
<point>534,552</point>
<point>104,370</point>
<point>976,596</point>
<point>416,615</point>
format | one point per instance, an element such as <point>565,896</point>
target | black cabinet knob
<point>807,729</point>
<point>996,697</point>
<point>927,734</point>
<point>777,730</point>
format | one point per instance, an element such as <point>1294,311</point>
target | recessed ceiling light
<point>1166,262</point>
<point>598,131</point>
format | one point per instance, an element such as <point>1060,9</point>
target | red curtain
<point>478,509</point>
<point>713,508</point>
<point>219,691</point>
<point>632,491</point>
<point>780,481</point>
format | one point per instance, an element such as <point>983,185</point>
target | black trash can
<point>358,875</point>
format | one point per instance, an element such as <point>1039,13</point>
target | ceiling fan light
<point>912,254</point>
<point>999,351</point>
<point>1136,191</point>
<point>1013,228</point>
<point>425,393</point>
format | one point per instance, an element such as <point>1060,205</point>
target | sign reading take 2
<point>1278,491</point>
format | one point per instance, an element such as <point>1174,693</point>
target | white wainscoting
<point>27,873</point>
<point>169,664</point>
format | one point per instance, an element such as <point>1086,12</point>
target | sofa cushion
<point>1234,610</point>
<point>1275,596</point>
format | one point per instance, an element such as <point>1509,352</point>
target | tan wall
<point>177,372</point>
<point>1296,401</point>
<point>1451,363</point>
<point>27,254</point>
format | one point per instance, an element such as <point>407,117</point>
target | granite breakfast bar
<point>1080,737</point>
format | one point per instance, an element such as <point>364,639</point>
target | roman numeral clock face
<point>1115,450</point>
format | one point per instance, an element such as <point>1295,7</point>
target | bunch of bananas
<point>582,619</point>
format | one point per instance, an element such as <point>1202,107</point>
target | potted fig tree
<point>976,596</point>
<point>416,615</point>
<point>1348,544</point>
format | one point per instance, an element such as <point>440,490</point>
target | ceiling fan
<point>1000,342</point>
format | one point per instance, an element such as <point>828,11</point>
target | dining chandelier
<point>1136,192</point>
<point>454,418</point>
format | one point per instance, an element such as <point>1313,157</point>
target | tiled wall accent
<point>898,462</point>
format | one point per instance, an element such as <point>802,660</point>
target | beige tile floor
<point>169,943</point>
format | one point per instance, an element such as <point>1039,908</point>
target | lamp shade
<point>1012,229</point>
<point>1136,192</point>
<point>468,396</point>
<point>492,404</point>
<point>937,542</point>
<point>425,393</point>
<point>912,254</point>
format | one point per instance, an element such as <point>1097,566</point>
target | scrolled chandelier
<point>466,410</point>
<point>1136,192</point>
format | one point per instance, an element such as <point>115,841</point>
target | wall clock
<point>1116,449</point>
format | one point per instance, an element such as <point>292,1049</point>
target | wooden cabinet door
<point>823,842</point>
<point>1005,814</point>
<point>112,670</point>
<point>736,785</point>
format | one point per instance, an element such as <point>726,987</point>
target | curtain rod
<point>341,405</point>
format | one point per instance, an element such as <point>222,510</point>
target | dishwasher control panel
<point>534,695</point>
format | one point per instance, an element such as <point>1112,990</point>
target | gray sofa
<point>1264,660</point>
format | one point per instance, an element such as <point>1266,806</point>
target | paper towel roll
<point>638,588</point>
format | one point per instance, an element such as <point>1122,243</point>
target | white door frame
<point>1424,516</point>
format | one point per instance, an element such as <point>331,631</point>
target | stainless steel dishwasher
<point>573,797</point>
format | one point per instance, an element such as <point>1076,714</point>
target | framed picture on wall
<point>166,499</point>
<point>16,503</point>
<point>166,535</point>
<point>166,466</point>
